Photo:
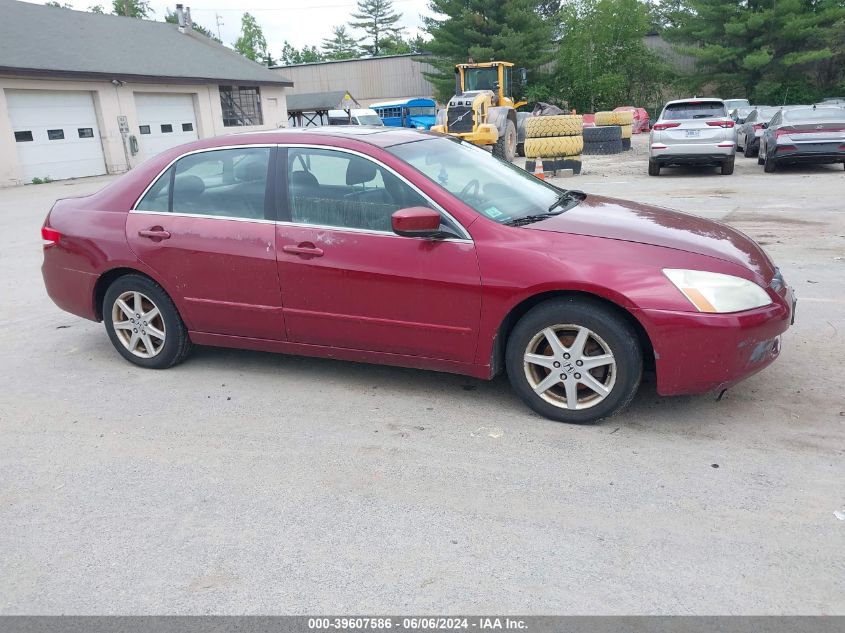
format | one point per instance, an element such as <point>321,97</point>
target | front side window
<point>494,188</point>
<point>332,188</point>
<point>241,106</point>
<point>227,183</point>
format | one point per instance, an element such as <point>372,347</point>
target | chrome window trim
<point>466,236</point>
<point>180,157</point>
<point>205,216</point>
<point>327,227</point>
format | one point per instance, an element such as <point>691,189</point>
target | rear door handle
<point>155,233</point>
<point>306,249</point>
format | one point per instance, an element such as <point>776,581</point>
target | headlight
<point>714,292</point>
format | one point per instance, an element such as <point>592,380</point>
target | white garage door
<point>165,121</point>
<point>56,133</point>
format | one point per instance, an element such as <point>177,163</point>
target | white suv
<point>693,132</point>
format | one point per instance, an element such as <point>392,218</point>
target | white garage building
<point>84,94</point>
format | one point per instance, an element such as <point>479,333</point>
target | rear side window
<point>228,183</point>
<point>694,110</point>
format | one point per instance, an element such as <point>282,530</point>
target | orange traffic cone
<point>538,169</point>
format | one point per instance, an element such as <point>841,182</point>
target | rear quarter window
<point>694,110</point>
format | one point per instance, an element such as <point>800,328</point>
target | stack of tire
<point>556,139</point>
<point>611,135</point>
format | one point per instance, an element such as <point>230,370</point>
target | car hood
<point>598,216</point>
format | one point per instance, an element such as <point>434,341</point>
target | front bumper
<point>486,134</point>
<point>697,352</point>
<point>692,154</point>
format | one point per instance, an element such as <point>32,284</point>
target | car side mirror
<point>765,125</point>
<point>416,222</point>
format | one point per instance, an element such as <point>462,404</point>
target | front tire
<point>574,360</point>
<point>143,323</point>
<point>505,147</point>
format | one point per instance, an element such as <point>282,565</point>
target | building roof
<point>347,61</point>
<point>315,101</point>
<point>49,41</point>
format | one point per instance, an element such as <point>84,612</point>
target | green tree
<point>132,8</point>
<point>377,19</point>
<point>97,8</point>
<point>341,45</point>
<point>768,51</point>
<point>57,5</point>
<point>507,30</point>
<point>602,61</point>
<point>171,18</point>
<point>306,55</point>
<point>251,44</point>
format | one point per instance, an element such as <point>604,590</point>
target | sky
<point>301,22</point>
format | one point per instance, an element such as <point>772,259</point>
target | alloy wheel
<point>570,366</point>
<point>138,324</point>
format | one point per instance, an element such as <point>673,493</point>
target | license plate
<point>692,133</point>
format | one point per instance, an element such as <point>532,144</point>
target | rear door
<point>206,228</point>
<point>348,281</point>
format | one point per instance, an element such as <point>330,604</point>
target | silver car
<point>748,134</point>
<point>809,134</point>
<point>693,132</point>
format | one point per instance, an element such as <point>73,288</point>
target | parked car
<point>810,134</point>
<point>748,134</point>
<point>693,132</point>
<point>640,123</point>
<point>739,114</point>
<point>356,116</point>
<point>408,248</point>
<point>733,104</point>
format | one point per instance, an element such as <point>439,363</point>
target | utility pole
<point>219,21</point>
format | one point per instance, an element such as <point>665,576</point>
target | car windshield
<point>812,114</point>
<point>369,119</point>
<point>495,188</point>
<point>694,110</point>
<point>421,111</point>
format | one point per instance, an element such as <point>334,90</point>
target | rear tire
<point>596,392</point>
<point>653,168</point>
<point>749,150</point>
<point>728,167</point>
<point>155,336</point>
<point>505,147</point>
<point>769,165</point>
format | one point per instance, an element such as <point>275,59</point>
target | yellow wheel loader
<point>483,110</point>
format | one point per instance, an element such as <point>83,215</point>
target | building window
<point>23,137</point>
<point>145,129</point>
<point>187,127</point>
<point>166,128</point>
<point>85,132</point>
<point>55,135</point>
<point>241,106</point>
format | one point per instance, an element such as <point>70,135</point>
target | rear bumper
<point>71,290</point>
<point>810,153</point>
<point>691,154</point>
<point>698,353</point>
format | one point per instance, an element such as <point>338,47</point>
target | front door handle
<point>305,249</point>
<point>156,233</point>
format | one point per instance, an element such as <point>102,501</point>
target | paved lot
<point>244,482</point>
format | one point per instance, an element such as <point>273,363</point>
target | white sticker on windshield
<point>492,212</point>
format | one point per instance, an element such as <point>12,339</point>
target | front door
<point>348,281</point>
<point>206,229</point>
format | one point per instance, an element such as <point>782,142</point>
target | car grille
<point>459,119</point>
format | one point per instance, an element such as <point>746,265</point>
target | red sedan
<point>407,248</point>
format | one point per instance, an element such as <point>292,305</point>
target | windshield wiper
<point>572,196</point>
<point>528,219</point>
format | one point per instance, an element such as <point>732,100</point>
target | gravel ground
<point>244,482</point>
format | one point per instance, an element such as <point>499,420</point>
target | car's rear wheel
<point>728,167</point>
<point>749,150</point>
<point>143,323</point>
<point>769,165</point>
<point>574,360</point>
<point>653,168</point>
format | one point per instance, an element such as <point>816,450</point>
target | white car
<point>695,131</point>
<point>356,116</point>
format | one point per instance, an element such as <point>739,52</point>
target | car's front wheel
<point>574,360</point>
<point>143,323</point>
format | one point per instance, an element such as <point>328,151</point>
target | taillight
<point>664,126</point>
<point>725,124</point>
<point>758,126</point>
<point>50,236</point>
<point>784,131</point>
